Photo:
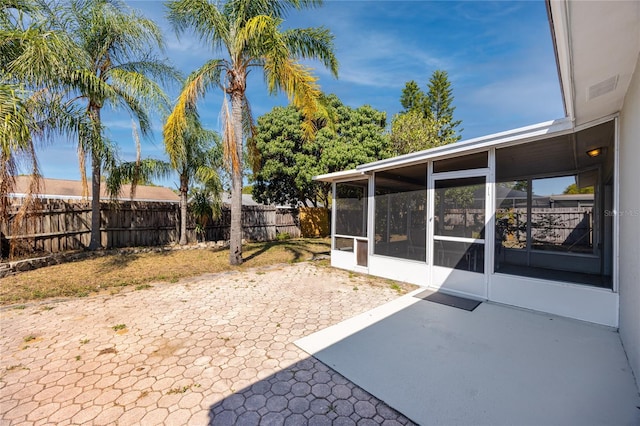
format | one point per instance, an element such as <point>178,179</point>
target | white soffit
<point>597,46</point>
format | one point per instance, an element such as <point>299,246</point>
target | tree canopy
<point>427,119</point>
<point>288,162</point>
<point>438,105</point>
<point>574,189</point>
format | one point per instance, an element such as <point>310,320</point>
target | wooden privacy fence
<point>259,223</point>
<point>66,225</point>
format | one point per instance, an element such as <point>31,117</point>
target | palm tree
<point>21,28</point>
<point>116,45</point>
<point>34,54</point>
<point>195,155</point>
<point>249,34</point>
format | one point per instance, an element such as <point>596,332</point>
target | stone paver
<point>215,349</point>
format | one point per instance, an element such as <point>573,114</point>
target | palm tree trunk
<point>235,243</point>
<point>96,242</point>
<point>96,168</point>
<point>184,188</point>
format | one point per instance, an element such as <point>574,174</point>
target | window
<point>558,221</point>
<point>401,213</point>
<point>511,214</point>
<point>351,209</point>
<point>550,202</point>
<point>459,255</point>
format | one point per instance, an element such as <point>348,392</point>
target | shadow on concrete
<point>306,392</point>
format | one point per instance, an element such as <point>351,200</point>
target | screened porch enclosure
<point>548,216</point>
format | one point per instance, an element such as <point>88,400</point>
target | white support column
<point>616,205</point>
<point>371,214</point>
<point>333,214</point>
<point>431,199</point>
<point>490,222</point>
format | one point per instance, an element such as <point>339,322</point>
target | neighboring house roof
<point>72,189</point>
<point>247,199</point>
<point>571,197</point>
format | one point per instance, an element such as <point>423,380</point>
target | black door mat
<point>449,300</point>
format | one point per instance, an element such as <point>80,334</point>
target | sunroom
<point>522,217</point>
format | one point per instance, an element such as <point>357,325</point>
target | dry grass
<point>113,272</point>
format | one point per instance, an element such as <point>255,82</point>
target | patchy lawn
<point>113,272</point>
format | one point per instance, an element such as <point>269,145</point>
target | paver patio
<point>215,349</point>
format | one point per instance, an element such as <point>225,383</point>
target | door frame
<point>468,281</point>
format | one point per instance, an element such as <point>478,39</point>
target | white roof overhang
<point>342,175</point>
<point>597,46</point>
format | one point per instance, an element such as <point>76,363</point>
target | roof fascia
<point>344,174</point>
<point>558,14</point>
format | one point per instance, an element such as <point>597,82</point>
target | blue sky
<point>499,57</point>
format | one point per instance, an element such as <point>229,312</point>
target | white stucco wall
<point>629,264</point>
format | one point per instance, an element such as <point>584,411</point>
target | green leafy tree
<point>427,120</point>
<point>289,162</point>
<point>573,189</point>
<point>412,132</point>
<point>249,34</point>
<point>283,154</point>
<point>439,108</point>
<point>357,137</point>
<point>412,97</point>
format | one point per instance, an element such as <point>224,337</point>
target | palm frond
<point>112,29</point>
<point>155,69</point>
<point>250,130</point>
<point>232,160</point>
<point>135,173</point>
<point>298,82</point>
<point>250,38</point>
<point>37,56</point>
<point>247,9</point>
<point>204,17</point>
<point>30,203</point>
<point>139,94</point>
<point>312,43</point>
<point>14,120</point>
<point>194,88</point>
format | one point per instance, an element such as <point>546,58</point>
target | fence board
<point>66,225</point>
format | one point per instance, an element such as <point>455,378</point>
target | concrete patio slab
<point>497,365</point>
